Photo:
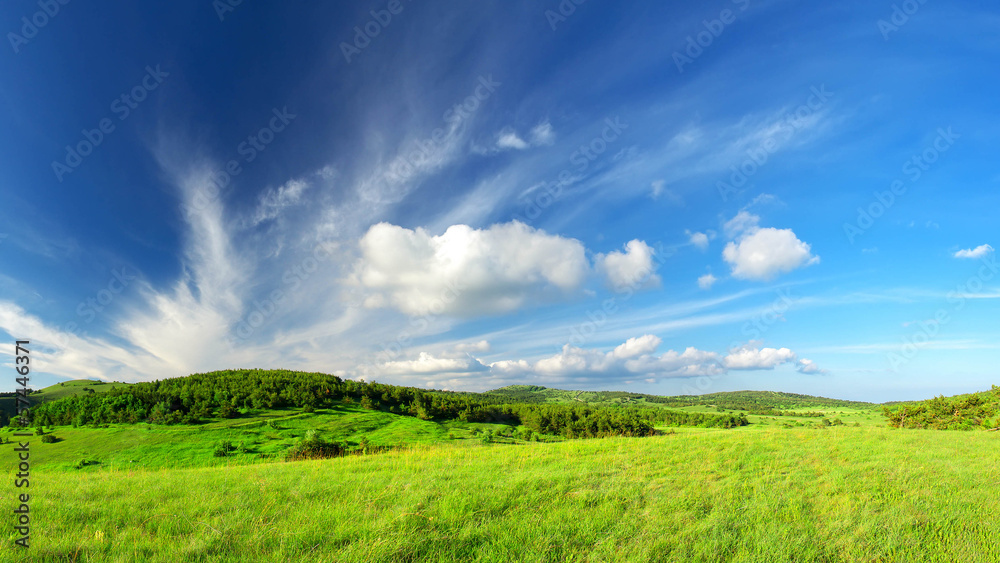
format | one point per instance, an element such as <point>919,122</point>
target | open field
<point>769,495</point>
<point>811,479</point>
<point>266,436</point>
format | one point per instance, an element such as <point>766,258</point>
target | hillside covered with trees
<point>764,403</point>
<point>231,393</point>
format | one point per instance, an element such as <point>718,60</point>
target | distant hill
<point>732,400</point>
<point>8,404</point>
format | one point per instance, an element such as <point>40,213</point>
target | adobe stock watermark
<point>225,7</point>
<point>119,281</point>
<point>122,107</point>
<point>758,156</point>
<point>914,169</point>
<point>900,16</point>
<point>563,11</point>
<point>249,149</point>
<point>544,195</point>
<point>364,34</point>
<point>405,166</point>
<point>698,42</point>
<point>293,279</point>
<point>30,26</point>
<point>928,330</point>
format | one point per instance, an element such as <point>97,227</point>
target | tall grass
<point>841,494</point>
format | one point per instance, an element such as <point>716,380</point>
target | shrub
<point>223,448</point>
<point>49,439</point>
<point>312,446</point>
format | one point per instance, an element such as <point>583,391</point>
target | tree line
<point>229,393</point>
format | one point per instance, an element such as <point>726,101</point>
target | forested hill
<point>235,393</point>
<point>750,401</point>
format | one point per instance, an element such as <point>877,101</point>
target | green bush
<point>312,446</point>
<point>223,448</point>
<point>49,439</point>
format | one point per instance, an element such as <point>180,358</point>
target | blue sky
<point>676,198</point>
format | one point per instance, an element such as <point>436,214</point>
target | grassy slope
<point>267,434</point>
<point>770,495</point>
<point>58,391</point>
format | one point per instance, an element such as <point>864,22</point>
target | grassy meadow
<point>752,494</point>
<point>824,481</point>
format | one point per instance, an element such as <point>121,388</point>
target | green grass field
<point>752,494</point>
<point>839,485</point>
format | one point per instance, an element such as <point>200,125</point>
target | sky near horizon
<point>666,198</point>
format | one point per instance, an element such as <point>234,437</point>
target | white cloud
<point>540,135</point>
<point>273,202</point>
<point>750,356</point>
<point>762,254</point>
<point>633,268</point>
<point>700,240</point>
<point>689,363</point>
<point>977,252</point>
<point>467,271</point>
<point>634,347</point>
<point>809,367</point>
<point>427,364</point>
<point>543,134</point>
<point>707,281</point>
<point>635,359</point>
<point>744,221</point>
<point>508,139</point>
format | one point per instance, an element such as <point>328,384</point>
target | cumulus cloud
<point>634,347</point>
<point>508,139</point>
<point>763,253</point>
<point>751,356</point>
<point>707,281</point>
<point>630,269</point>
<point>466,271</point>
<point>427,364</point>
<point>635,359</point>
<point>977,252</point>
